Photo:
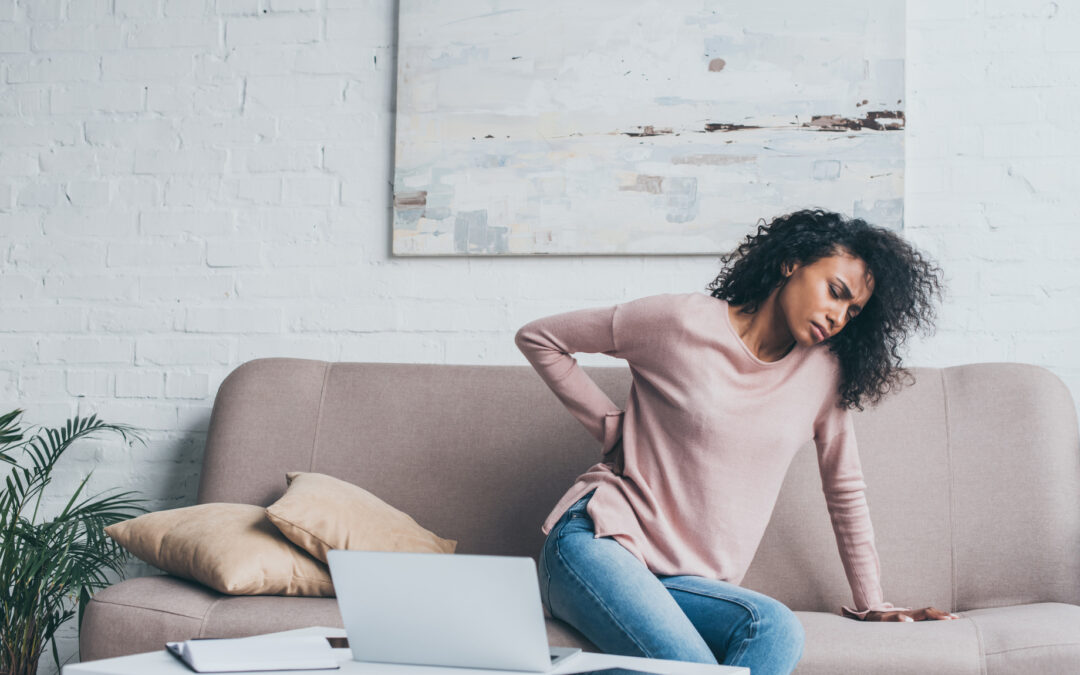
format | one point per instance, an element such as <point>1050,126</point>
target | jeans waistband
<point>579,505</point>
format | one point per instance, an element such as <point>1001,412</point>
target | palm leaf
<point>48,445</point>
<point>84,600</point>
<point>49,570</point>
<point>9,433</point>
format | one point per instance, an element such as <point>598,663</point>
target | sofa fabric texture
<point>972,472</point>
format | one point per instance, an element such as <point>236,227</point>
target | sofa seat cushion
<point>1039,638</point>
<point>562,634</point>
<point>142,614</point>
<point>838,645</point>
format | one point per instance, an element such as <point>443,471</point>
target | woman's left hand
<point>924,614</point>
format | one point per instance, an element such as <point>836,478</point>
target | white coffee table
<point>163,663</point>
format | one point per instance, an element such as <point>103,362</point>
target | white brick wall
<point>992,177</point>
<point>186,185</point>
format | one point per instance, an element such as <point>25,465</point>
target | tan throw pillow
<point>231,548</point>
<point>320,512</point>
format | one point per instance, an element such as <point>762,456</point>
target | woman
<point>646,549</point>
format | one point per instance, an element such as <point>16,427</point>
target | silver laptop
<point>440,609</point>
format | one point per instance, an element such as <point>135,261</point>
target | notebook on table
<point>262,653</point>
<point>439,609</point>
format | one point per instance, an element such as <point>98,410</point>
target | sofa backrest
<point>973,472</point>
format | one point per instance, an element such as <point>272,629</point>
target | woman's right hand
<point>924,614</point>
<point>614,458</point>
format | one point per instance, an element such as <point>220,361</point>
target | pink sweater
<point>708,434</point>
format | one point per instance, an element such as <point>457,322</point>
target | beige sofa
<point>974,490</point>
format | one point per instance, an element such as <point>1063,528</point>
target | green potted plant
<point>50,568</point>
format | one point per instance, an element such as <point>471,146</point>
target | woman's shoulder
<point>687,296</point>
<point>680,300</point>
<point>654,320</point>
<point>824,368</point>
<point>668,306</point>
<point>672,299</point>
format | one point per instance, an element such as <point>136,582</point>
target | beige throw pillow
<point>320,512</point>
<point>231,548</point>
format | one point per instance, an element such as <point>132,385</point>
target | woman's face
<point>829,292</point>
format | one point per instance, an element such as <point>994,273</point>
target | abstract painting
<point>613,127</point>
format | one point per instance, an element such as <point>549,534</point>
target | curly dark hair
<point>868,346</point>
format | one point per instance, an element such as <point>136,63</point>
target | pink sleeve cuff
<point>612,430</point>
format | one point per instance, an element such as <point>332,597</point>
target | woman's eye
<point>832,289</point>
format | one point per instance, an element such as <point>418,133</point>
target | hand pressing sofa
<point>973,478</point>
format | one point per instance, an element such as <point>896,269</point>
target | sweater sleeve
<point>845,496</point>
<point>548,343</point>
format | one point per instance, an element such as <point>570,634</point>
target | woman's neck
<point>765,331</point>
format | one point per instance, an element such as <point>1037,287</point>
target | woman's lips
<point>819,334</point>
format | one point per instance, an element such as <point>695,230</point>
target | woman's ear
<point>788,267</point>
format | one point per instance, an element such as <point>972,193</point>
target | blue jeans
<point>605,592</point>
